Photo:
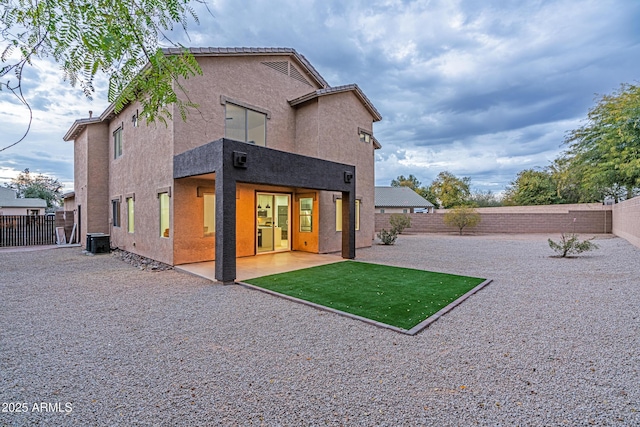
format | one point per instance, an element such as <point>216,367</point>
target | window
<point>130,223</point>
<point>115,212</point>
<point>364,136</point>
<point>164,214</point>
<point>381,210</point>
<point>209,214</point>
<point>117,143</point>
<point>243,124</point>
<point>306,214</point>
<point>339,214</point>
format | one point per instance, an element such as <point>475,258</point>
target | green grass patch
<point>400,297</point>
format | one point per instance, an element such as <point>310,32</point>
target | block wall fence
<point>626,220</point>
<point>622,219</point>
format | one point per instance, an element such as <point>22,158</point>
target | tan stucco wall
<point>325,128</point>
<point>244,80</point>
<point>91,179</point>
<point>339,117</point>
<point>145,167</point>
<point>20,211</point>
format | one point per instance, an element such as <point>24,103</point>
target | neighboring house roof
<point>79,125</point>
<point>338,89</point>
<point>399,197</point>
<point>8,199</point>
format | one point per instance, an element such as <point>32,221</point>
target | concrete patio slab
<point>263,265</point>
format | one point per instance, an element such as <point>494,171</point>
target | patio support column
<point>225,227</point>
<point>348,225</point>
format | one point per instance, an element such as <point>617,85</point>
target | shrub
<point>388,237</point>
<point>570,245</point>
<point>399,222</point>
<point>461,217</point>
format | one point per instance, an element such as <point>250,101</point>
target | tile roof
<point>338,89</point>
<point>8,199</point>
<point>79,125</point>
<point>399,197</point>
<point>243,51</point>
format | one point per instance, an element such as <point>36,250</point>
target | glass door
<point>272,222</point>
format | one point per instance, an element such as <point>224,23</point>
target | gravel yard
<point>99,342</point>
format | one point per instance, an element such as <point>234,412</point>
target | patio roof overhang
<point>234,161</point>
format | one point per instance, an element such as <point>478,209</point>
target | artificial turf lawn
<point>396,296</point>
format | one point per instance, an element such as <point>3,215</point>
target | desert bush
<point>399,222</point>
<point>461,217</point>
<point>571,245</point>
<point>388,237</point>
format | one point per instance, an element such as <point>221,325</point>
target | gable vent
<point>288,69</point>
<point>296,75</point>
<point>281,66</point>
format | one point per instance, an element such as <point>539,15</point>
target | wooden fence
<point>27,230</point>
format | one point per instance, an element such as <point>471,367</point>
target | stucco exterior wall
<point>325,128</point>
<point>5,211</point>
<point>393,210</point>
<point>91,179</point>
<point>243,79</point>
<point>339,118</point>
<point>143,170</point>
<point>626,220</point>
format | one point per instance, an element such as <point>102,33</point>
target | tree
<point>450,190</point>
<point>484,199</point>
<point>120,38</point>
<point>461,217</point>
<point>606,150</point>
<point>570,244</point>
<point>410,181</point>
<point>413,183</point>
<point>532,187</point>
<point>37,186</point>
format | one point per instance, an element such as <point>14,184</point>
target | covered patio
<point>263,265</point>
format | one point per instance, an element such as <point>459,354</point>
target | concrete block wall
<point>508,220</point>
<point>626,220</point>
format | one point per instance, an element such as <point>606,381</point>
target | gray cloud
<point>482,89</point>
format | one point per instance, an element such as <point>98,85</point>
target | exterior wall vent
<point>281,66</point>
<point>288,69</point>
<point>294,73</point>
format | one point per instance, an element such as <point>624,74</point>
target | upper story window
<point>246,125</point>
<point>365,136</point>
<point>117,143</point>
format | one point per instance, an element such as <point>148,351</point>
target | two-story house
<point>274,159</point>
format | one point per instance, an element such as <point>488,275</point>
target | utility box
<point>98,243</point>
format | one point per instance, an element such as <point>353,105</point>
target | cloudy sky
<point>482,89</point>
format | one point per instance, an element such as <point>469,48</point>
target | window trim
<point>166,233</point>
<point>117,142</point>
<point>339,217</point>
<point>363,134</point>
<point>130,212</point>
<point>116,208</point>
<point>224,100</point>
<point>305,215</point>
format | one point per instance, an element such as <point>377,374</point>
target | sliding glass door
<point>272,221</point>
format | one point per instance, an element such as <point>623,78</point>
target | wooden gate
<point>27,230</point>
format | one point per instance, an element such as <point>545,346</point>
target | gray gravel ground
<point>550,342</point>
